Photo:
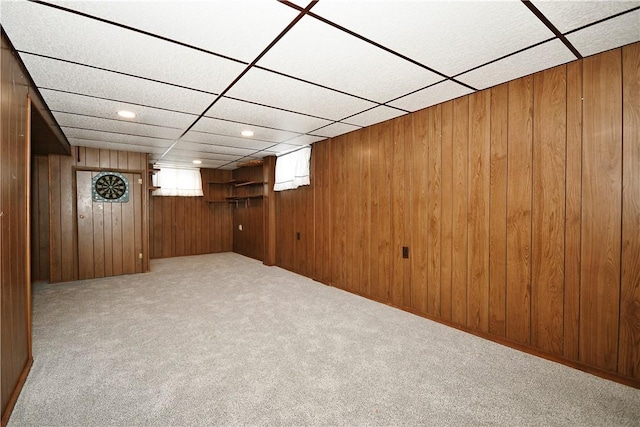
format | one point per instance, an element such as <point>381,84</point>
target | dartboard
<point>110,187</point>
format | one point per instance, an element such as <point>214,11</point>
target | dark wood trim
<point>268,173</point>
<point>27,179</point>
<point>16,392</point>
<point>91,169</point>
<point>552,27</point>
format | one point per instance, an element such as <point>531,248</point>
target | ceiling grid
<point>295,72</point>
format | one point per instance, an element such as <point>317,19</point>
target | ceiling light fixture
<point>247,133</point>
<point>197,162</point>
<point>127,114</point>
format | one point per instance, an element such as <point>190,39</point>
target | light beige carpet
<point>223,340</point>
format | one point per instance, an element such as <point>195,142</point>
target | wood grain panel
<point>397,291</point>
<point>40,265</point>
<point>460,209</point>
<point>434,235</point>
<point>353,226</point>
<point>339,213</point>
<point>67,206</point>
<point>573,208</point>
<point>478,214</point>
<point>629,342</point>
<point>420,211</point>
<point>85,226</point>
<point>519,188</point>
<point>446,271</point>
<point>55,228</point>
<point>601,228</point>
<point>498,215</point>
<point>549,157</point>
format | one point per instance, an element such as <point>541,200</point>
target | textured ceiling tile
<point>319,53</point>
<point>610,34</point>
<point>522,64</point>
<point>202,155</point>
<point>85,105</point>
<point>205,24</point>
<point>43,30</point>
<point>280,148</point>
<point>116,126</point>
<point>115,138</point>
<point>335,129</point>
<point>432,95</point>
<point>375,115</point>
<point>80,142</point>
<point>569,15</point>
<point>222,149</point>
<point>278,91</point>
<point>186,162</point>
<point>58,75</point>
<point>304,140</point>
<point>226,128</point>
<point>193,136</point>
<point>449,36</point>
<point>245,112</point>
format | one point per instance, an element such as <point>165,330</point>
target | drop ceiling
<point>198,73</point>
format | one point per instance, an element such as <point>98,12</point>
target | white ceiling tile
<point>449,36</point>
<point>86,105</point>
<point>226,128</point>
<point>207,138</point>
<point>278,91</point>
<point>280,148</point>
<point>80,142</point>
<point>539,58</point>
<point>179,161</point>
<point>569,15</point>
<point>117,126</point>
<point>319,53</point>
<point>107,137</point>
<point>205,24</point>
<point>335,129</point>
<point>304,140</point>
<point>46,31</point>
<point>222,149</point>
<point>375,115</point>
<point>245,112</point>
<point>436,94</point>
<point>616,32</point>
<point>202,155</point>
<point>59,75</point>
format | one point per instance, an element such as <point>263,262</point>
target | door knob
<point>81,216</point>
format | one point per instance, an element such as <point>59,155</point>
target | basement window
<point>178,182</point>
<point>292,169</point>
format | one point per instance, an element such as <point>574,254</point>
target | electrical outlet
<point>405,252</point>
<point>240,227</point>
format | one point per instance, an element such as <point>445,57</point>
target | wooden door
<point>109,233</point>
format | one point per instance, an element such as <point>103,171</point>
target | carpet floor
<point>223,340</point>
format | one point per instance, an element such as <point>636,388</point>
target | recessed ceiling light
<point>247,133</point>
<point>126,114</point>
<point>197,162</point>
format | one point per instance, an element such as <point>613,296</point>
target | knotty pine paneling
<point>15,280</point>
<point>519,205</point>
<point>182,226</point>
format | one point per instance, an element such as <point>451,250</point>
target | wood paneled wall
<point>40,218</point>
<point>63,243</point>
<point>249,214</point>
<point>519,205</point>
<point>15,281</point>
<point>190,225</point>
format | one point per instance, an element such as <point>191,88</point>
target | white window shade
<point>292,169</point>
<point>178,182</point>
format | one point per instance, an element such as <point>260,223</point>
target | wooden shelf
<point>153,188</point>
<point>232,181</point>
<point>242,184</point>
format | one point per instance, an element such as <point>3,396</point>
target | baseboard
<point>16,392</point>
<point>612,376</point>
